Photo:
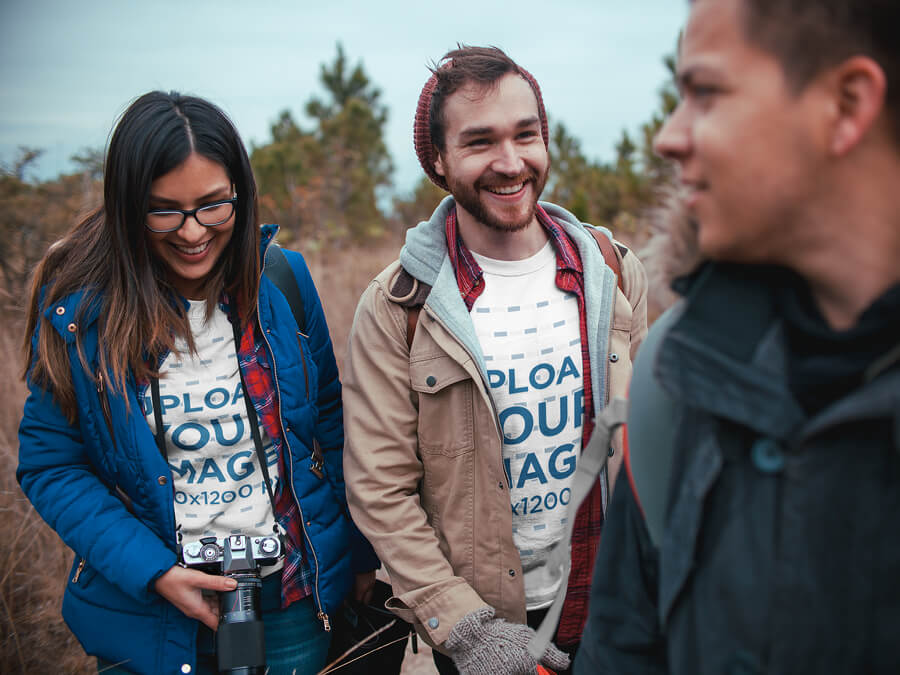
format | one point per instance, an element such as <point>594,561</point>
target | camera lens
<point>240,643</point>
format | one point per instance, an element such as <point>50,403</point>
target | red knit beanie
<point>425,149</point>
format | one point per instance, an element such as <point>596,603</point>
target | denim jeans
<point>296,644</point>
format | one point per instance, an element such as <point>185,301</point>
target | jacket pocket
<point>445,391</point>
<point>82,573</point>
<point>317,461</point>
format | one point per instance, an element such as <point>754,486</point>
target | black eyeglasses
<point>209,215</point>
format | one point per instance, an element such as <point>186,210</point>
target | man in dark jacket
<point>779,550</point>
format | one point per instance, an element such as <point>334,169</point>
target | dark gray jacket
<point>781,549</point>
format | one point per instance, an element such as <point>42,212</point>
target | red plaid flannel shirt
<point>589,520</point>
<point>296,576</point>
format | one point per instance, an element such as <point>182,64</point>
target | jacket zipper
<point>303,361</point>
<point>78,571</point>
<point>323,617</point>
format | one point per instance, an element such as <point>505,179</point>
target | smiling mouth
<point>193,250</point>
<point>506,190</point>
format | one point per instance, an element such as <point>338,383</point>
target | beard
<point>469,198</point>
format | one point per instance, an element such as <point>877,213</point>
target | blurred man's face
<point>745,144</point>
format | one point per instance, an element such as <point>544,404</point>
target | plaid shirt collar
<point>470,277</point>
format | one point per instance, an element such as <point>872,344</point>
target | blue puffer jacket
<point>111,499</point>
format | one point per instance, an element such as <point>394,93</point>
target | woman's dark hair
<point>107,256</point>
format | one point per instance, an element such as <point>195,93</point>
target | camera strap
<point>252,420</point>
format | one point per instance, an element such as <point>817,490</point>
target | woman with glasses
<point>177,406</point>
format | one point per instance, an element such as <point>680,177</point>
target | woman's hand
<point>184,589</point>
<point>363,586</point>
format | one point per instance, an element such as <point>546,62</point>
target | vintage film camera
<point>240,645</point>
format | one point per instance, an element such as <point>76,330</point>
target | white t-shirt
<point>219,488</point>
<point>530,335</point>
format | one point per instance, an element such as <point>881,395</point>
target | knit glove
<point>479,644</point>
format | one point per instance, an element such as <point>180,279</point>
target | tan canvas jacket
<point>423,461</point>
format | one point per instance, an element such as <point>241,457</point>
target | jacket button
<point>512,573</point>
<point>431,380</point>
<point>71,327</point>
<point>186,668</point>
<point>162,480</point>
<point>60,310</point>
<point>433,623</point>
<point>611,451</point>
<point>767,455</point>
<point>500,485</point>
<point>613,357</point>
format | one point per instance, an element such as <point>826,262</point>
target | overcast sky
<point>69,67</point>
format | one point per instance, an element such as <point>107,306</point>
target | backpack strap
<point>590,463</point>
<point>650,415</point>
<point>411,294</point>
<point>412,320</point>
<point>608,249</point>
<point>279,272</point>
<point>650,430</point>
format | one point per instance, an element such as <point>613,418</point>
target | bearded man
<point>477,362</point>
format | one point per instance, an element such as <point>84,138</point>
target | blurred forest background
<point>330,188</point>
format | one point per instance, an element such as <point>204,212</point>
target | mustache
<point>492,179</point>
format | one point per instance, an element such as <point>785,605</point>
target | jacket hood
<point>425,249</point>
<point>423,253</point>
<point>672,251</point>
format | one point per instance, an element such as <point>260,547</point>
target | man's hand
<point>184,589</point>
<point>479,644</point>
<point>363,586</point>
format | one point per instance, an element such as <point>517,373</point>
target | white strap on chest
<point>591,462</point>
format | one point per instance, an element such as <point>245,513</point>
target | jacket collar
<point>425,257</point>
<point>725,352</point>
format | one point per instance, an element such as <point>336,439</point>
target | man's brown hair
<point>483,66</point>
<point>808,36</point>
